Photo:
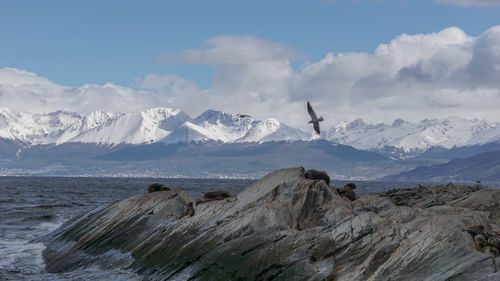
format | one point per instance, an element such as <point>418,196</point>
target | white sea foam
<point>22,259</point>
<point>21,255</point>
<point>47,227</point>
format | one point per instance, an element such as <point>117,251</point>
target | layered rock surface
<point>286,227</point>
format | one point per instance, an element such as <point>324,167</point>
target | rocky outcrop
<point>287,227</point>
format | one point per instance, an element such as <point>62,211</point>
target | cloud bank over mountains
<point>412,77</point>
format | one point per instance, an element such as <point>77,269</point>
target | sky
<point>374,59</point>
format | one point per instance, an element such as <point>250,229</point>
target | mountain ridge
<point>484,166</point>
<point>398,140</point>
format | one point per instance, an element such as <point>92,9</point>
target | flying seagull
<point>315,120</point>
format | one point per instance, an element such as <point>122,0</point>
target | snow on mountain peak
<point>152,125</point>
<point>357,123</point>
<point>96,127</point>
<point>172,125</point>
<point>160,113</point>
<point>260,130</point>
<point>218,117</point>
<point>225,127</point>
<point>398,123</point>
<point>447,133</point>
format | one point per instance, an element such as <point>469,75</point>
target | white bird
<point>314,120</point>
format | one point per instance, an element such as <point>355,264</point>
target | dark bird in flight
<point>314,119</point>
<point>243,115</point>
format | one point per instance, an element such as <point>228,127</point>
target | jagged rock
<point>157,187</point>
<point>286,227</point>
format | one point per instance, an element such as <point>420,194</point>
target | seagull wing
<point>316,127</point>
<point>311,112</point>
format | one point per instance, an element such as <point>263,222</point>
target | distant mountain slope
<point>403,139</point>
<point>458,152</point>
<point>280,149</point>
<point>428,139</point>
<point>8,148</point>
<point>229,128</point>
<point>484,167</point>
<point>157,124</point>
<point>96,127</point>
<point>197,159</point>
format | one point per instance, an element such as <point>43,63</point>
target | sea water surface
<point>31,207</point>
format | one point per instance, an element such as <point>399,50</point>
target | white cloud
<point>412,77</point>
<point>471,2</point>
<point>252,76</point>
<point>178,92</point>
<point>234,50</point>
<point>25,91</point>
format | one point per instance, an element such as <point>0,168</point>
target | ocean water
<point>31,207</point>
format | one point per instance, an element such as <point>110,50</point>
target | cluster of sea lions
<point>346,191</point>
<point>207,197</point>
<point>486,242</point>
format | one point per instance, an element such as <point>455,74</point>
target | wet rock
<point>286,227</point>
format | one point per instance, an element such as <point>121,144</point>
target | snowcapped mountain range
<point>172,126</point>
<point>153,125</point>
<point>415,137</point>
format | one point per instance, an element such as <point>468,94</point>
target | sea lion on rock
<point>190,209</point>
<point>348,191</point>
<point>490,250</point>
<point>494,241</point>
<point>480,242</point>
<point>157,187</point>
<point>317,175</point>
<point>214,195</point>
<point>480,226</point>
<point>477,229</point>
<point>350,186</point>
<point>485,242</point>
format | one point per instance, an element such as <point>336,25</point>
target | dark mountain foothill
<point>482,167</point>
<point>287,227</point>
